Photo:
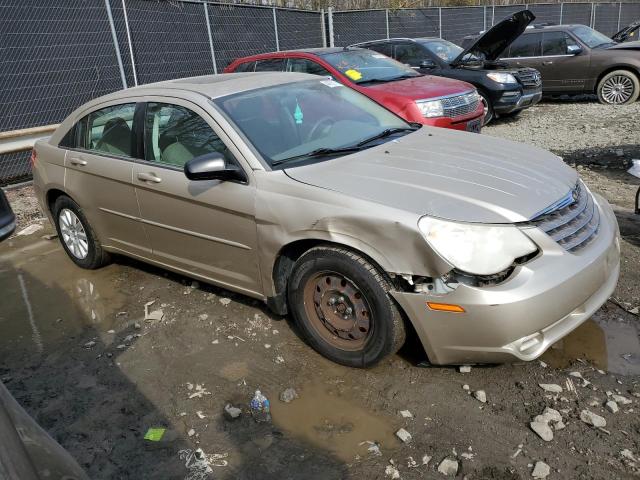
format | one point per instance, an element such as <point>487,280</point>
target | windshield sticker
<point>298,114</point>
<point>353,74</point>
<point>330,83</point>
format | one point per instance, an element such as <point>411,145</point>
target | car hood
<point>448,174</point>
<point>424,86</point>
<point>630,31</point>
<point>625,46</point>
<point>491,44</point>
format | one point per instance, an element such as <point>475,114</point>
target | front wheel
<point>341,304</point>
<point>619,87</point>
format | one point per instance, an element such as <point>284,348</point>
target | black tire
<point>386,330</point>
<point>489,114</point>
<point>96,256</point>
<point>629,88</point>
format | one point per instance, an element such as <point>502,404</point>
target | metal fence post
<point>619,14</point>
<point>561,11</point>
<point>322,28</point>
<point>484,17</point>
<point>440,21</point>
<point>116,45</point>
<point>386,18</point>
<point>331,26</point>
<point>275,29</point>
<point>133,61</point>
<point>493,14</point>
<point>213,53</point>
<point>593,15</point>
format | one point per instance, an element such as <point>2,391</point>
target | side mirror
<point>212,166</point>
<point>427,63</point>
<point>574,49</point>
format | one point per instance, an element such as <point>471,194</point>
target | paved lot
<point>76,351</point>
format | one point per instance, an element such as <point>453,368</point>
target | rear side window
<point>383,48</point>
<point>303,65</point>
<point>526,46</point>
<point>271,65</point>
<point>555,43</point>
<point>245,67</point>
<point>174,135</point>
<point>109,130</point>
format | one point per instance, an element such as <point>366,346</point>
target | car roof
<point>553,28</point>
<point>319,51</point>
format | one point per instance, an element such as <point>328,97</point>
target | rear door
<point>562,71</point>
<point>204,227</point>
<point>99,166</point>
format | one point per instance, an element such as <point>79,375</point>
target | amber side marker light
<point>445,307</point>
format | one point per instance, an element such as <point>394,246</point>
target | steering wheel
<point>323,125</point>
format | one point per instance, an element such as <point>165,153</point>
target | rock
<point>391,472</point>
<point>480,395</point>
<point>576,374</point>
<point>541,470</point>
<point>289,395</point>
<point>426,459</point>
<point>551,387</point>
<point>406,414</point>
<point>552,415</point>
<point>559,425</point>
<point>137,326</point>
<point>621,400</point>
<point>403,435</point>
<point>202,317</point>
<point>90,344</point>
<point>464,369</point>
<point>635,310</point>
<point>591,418</point>
<point>121,346</point>
<point>279,359</point>
<point>191,432</point>
<point>231,412</point>
<point>542,429</point>
<point>225,301</point>
<point>449,467</point>
<point>612,406</point>
<point>628,454</point>
<point>465,387</point>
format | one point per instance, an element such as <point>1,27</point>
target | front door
<point>204,227</point>
<point>561,68</point>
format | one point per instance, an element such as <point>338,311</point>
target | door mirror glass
<point>574,49</point>
<point>427,63</point>
<point>211,166</point>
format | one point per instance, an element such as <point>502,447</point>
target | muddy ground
<point>76,351</point>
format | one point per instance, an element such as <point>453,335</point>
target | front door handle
<point>77,161</point>
<point>149,177</point>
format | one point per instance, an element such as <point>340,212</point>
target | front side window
<point>110,130</point>
<point>271,65</point>
<point>555,43</point>
<point>365,66</point>
<point>526,46</point>
<point>409,54</point>
<point>303,65</point>
<point>444,50</point>
<point>590,37</point>
<point>296,119</point>
<point>174,135</point>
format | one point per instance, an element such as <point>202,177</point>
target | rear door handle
<point>149,177</point>
<point>77,161</point>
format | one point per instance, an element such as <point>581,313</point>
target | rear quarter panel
<point>48,171</point>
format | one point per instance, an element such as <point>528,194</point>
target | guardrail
<point>24,139</point>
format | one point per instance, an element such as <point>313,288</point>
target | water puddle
<point>322,417</point>
<point>609,344</point>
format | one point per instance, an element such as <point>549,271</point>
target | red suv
<point>437,101</point>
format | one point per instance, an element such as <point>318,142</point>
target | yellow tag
<point>353,74</point>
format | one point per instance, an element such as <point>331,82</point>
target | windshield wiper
<point>320,152</point>
<point>386,133</point>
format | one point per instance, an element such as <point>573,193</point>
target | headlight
<point>476,249</point>
<point>502,77</point>
<point>430,108</point>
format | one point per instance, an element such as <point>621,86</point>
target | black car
<point>505,90</point>
<point>628,33</point>
<point>7,218</point>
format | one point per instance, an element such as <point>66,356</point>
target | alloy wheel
<point>617,89</point>
<point>73,234</point>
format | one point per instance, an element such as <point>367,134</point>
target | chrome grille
<point>573,226</point>
<point>529,77</point>
<point>460,104</point>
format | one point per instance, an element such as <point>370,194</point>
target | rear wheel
<point>619,87</point>
<point>488,108</point>
<point>341,304</point>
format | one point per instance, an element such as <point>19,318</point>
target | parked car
<point>628,33</point>
<point>505,91</point>
<point>7,218</point>
<point>576,59</point>
<point>306,194</point>
<point>426,99</point>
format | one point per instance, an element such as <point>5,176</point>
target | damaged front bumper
<point>509,102</point>
<point>520,318</point>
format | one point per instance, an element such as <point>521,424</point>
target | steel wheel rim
<point>338,311</point>
<point>73,234</point>
<point>617,89</point>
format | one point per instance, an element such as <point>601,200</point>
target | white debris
<point>468,455</point>
<point>541,470</point>
<point>449,467</point>
<point>621,400</point>
<point>90,344</point>
<point>215,342</point>
<point>517,452</point>
<point>199,391</point>
<point>406,414</point>
<point>33,228</point>
<point>122,346</point>
<point>267,345</point>
<point>635,168</point>
<point>191,432</point>
<point>279,359</point>
<point>391,472</point>
<point>150,316</point>
<point>628,454</point>
<point>198,463</point>
<point>111,332</point>
<point>480,395</point>
<point>591,418</point>
<point>225,301</point>
<point>635,310</point>
<point>612,406</point>
<point>202,317</point>
<point>232,412</point>
<point>576,374</point>
<point>403,435</point>
<point>411,463</point>
<point>465,387</point>
<point>426,459</point>
<point>464,369</point>
<point>542,364</point>
<point>373,448</point>
<point>551,387</point>
<point>200,415</point>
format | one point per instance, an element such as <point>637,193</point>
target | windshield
<point>590,37</point>
<point>447,51</point>
<point>362,66</point>
<point>298,119</point>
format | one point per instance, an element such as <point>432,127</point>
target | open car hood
<point>491,44</point>
<point>630,33</point>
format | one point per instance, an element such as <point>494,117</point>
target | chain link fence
<point>54,56</point>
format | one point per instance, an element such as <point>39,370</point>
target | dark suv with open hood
<point>505,90</point>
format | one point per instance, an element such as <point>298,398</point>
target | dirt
<point>99,399</point>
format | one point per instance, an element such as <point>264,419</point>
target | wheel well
<point>628,68</point>
<point>52,196</point>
